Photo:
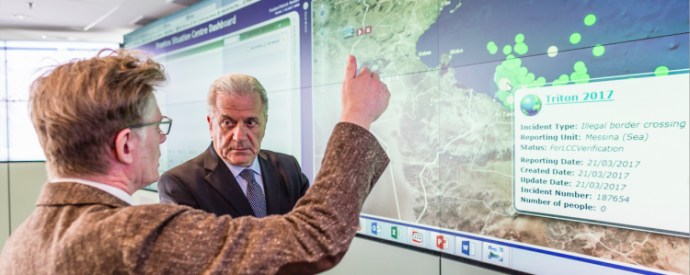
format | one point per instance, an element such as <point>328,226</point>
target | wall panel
<point>372,257</point>
<point>26,181</point>
<point>4,204</point>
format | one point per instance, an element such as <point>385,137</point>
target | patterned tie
<point>254,193</point>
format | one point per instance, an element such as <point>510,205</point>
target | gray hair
<point>235,84</point>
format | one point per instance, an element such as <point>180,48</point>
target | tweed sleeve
<point>309,239</point>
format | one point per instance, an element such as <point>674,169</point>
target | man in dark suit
<point>234,176</point>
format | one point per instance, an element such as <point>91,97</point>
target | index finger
<point>350,68</point>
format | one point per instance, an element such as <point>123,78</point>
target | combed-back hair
<point>78,108</point>
<point>235,84</point>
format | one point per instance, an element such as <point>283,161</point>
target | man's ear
<point>124,146</point>
<point>210,126</point>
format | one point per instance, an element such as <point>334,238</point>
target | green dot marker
<point>507,49</point>
<point>575,38</point>
<point>491,47</point>
<point>521,48</point>
<point>661,71</point>
<point>583,78</point>
<point>562,80</point>
<point>590,19</point>
<point>598,50</point>
<point>529,78</point>
<point>522,71</point>
<point>541,81</point>
<point>513,63</point>
<point>519,38</point>
<point>579,66</point>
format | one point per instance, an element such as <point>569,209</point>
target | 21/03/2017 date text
<point>613,163</point>
<point>603,174</point>
<point>600,185</point>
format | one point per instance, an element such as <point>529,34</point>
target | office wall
<point>20,184</point>
<point>4,204</point>
<point>372,257</point>
<point>25,180</point>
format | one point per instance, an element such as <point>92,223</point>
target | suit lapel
<point>271,179</point>
<point>224,182</point>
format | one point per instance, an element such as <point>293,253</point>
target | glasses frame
<point>169,121</point>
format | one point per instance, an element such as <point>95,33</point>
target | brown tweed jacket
<point>77,229</point>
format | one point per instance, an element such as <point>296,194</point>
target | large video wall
<point>555,127</point>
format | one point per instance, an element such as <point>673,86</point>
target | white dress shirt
<point>119,193</point>
<point>255,167</point>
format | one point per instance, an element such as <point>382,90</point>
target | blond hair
<point>79,107</point>
<point>235,84</point>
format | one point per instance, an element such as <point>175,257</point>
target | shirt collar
<point>119,193</point>
<point>236,170</point>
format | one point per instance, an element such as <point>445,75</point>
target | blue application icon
<point>468,248</point>
<point>530,105</point>
<point>496,253</point>
<point>375,228</point>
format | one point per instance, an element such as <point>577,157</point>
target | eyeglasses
<point>163,126</point>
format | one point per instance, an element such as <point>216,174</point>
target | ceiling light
<point>21,16</point>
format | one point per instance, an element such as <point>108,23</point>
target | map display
<point>452,67</point>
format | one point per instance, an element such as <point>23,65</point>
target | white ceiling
<point>66,19</point>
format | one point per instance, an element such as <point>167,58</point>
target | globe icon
<point>530,105</point>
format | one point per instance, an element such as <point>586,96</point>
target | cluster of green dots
<point>580,75</point>
<point>511,71</point>
<point>520,46</point>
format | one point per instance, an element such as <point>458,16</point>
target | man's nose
<point>163,138</point>
<point>240,133</point>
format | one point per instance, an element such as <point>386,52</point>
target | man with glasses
<point>163,126</point>
<point>100,128</point>
<point>234,176</point>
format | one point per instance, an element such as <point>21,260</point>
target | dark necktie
<point>254,193</point>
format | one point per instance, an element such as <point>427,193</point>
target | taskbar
<point>499,252</point>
